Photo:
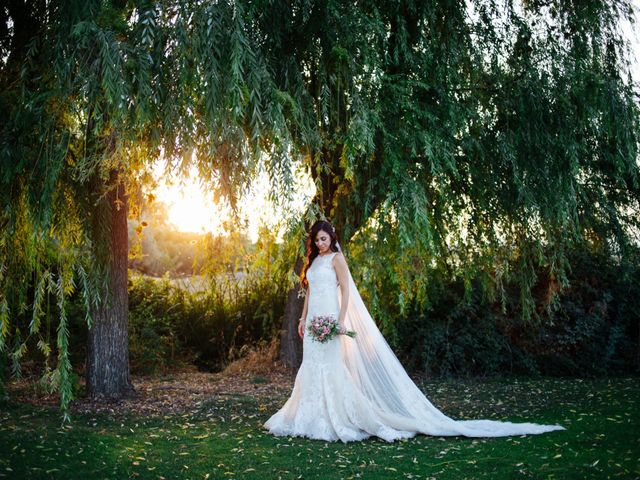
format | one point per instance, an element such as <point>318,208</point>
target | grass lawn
<point>221,437</point>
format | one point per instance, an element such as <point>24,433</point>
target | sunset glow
<point>191,209</point>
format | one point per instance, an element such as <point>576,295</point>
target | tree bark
<point>290,342</point>
<point>107,372</point>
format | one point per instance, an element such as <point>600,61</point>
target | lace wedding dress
<point>352,388</point>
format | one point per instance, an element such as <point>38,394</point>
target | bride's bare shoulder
<point>339,259</point>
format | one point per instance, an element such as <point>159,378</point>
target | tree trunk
<point>290,342</point>
<point>108,342</point>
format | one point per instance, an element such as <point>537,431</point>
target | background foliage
<point>239,305</point>
<point>591,328</point>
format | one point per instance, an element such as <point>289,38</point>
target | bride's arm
<point>342,272</point>
<point>304,314</point>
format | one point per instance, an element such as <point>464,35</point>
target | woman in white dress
<point>352,388</point>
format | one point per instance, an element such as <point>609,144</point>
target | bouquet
<point>324,327</point>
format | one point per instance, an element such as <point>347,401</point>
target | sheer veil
<point>382,379</point>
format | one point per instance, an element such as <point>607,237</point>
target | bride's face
<point>323,242</point>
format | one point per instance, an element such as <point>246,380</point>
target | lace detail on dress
<point>323,282</point>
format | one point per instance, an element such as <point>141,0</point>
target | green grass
<point>222,438</point>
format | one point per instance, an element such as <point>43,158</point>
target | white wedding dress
<point>352,388</point>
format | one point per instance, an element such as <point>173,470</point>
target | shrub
<point>590,328</point>
<point>170,325</point>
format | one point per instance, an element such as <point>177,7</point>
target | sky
<point>192,209</point>
<point>632,33</point>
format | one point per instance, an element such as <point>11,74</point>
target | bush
<point>170,326</point>
<point>460,338</point>
<point>156,309</point>
<point>595,327</point>
<point>590,328</point>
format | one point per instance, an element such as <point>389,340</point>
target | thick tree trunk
<point>290,342</point>
<point>107,372</point>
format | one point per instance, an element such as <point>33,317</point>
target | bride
<point>352,388</point>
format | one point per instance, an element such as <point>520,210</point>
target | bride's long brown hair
<point>312,249</point>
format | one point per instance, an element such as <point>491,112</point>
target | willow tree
<point>447,134</point>
<point>96,91</point>
<point>478,138</point>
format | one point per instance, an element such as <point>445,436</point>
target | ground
<point>197,425</point>
<point>177,392</point>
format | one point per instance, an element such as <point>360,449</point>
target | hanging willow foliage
<point>477,138</point>
<point>484,139</point>
<point>529,147</point>
<point>99,90</point>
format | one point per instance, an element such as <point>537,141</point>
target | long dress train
<point>352,388</point>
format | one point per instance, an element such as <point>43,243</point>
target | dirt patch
<point>167,394</point>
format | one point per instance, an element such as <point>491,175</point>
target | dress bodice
<point>323,285</point>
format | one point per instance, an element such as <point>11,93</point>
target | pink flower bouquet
<point>324,327</point>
